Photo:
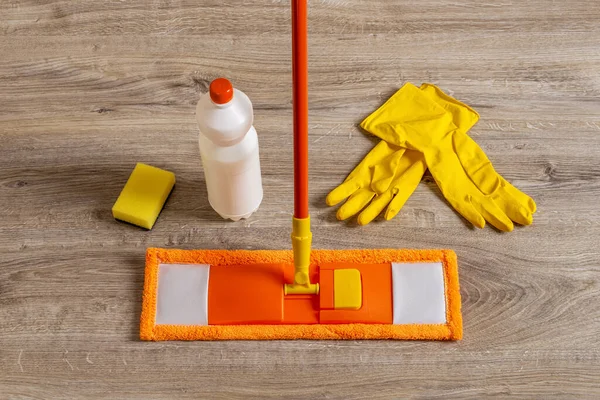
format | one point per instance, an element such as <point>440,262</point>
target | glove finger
<point>385,171</point>
<point>523,199</point>
<point>493,214</point>
<point>512,208</point>
<point>516,212</point>
<point>355,203</point>
<point>396,205</point>
<point>375,208</point>
<point>341,192</point>
<point>467,210</point>
<point>407,183</point>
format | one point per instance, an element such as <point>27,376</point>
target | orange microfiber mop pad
<point>364,294</point>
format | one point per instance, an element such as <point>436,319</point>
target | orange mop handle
<point>301,235</point>
<point>300,106</point>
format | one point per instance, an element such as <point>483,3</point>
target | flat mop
<point>300,294</point>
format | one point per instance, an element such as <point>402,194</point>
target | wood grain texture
<point>89,88</point>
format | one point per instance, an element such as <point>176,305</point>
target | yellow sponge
<point>144,195</point>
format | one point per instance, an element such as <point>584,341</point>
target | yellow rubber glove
<point>387,176</point>
<point>475,162</point>
<point>428,121</point>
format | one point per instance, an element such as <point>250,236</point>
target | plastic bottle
<point>229,151</point>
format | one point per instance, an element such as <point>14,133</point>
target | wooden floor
<point>88,88</point>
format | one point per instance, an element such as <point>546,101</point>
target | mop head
<point>239,295</point>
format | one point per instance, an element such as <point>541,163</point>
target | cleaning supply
<point>477,165</point>
<point>301,234</point>
<point>387,176</point>
<point>300,294</point>
<point>373,172</point>
<point>144,195</point>
<point>229,151</point>
<point>414,119</point>
<point>238,295</point>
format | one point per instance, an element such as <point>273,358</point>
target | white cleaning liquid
<point>229,151</point>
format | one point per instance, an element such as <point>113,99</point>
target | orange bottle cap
<point>221,91</point>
